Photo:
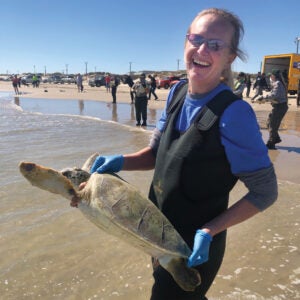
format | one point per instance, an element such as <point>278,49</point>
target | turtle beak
<point>28,167</point>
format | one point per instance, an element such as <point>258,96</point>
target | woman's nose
<point>203,48</point>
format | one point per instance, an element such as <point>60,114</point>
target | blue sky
<point>111,35</point>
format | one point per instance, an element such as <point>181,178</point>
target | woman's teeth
<point>201,63</point>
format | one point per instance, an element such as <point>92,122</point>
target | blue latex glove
<point>200,253</point>
<point>112,163</point>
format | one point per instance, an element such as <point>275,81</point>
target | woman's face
<point>205,66</point>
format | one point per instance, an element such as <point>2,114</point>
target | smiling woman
<point>206,139</point>
<point>209,37</point>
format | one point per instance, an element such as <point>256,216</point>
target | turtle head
<point>48,179</point>
<point>76,175</point>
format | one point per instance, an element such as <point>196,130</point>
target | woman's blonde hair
<point>238,33</point>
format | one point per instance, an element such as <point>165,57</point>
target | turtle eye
<point>66,173</point>
<point>72,192</point>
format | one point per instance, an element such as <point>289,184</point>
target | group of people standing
<point>243,82</point>
<point>17,81</point>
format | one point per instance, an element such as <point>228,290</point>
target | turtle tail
<point>187,278</point>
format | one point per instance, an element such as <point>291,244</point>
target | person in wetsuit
<point>206,139</point>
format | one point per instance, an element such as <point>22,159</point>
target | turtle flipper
<point>187,278</point>
<point>48,179</point>
<point>89,162</point>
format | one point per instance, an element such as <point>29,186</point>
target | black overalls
<point>191,186</point>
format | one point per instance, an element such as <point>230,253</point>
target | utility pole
<point>260,68</point>
<point>297,43</point>
<point>130,68</point>
<point>45,72</point>
<point>86,63</point>
<point>67,69</point>
<point>178,60</point>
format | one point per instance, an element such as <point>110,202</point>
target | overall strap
<point>178,96</point>
<point>214,109</point>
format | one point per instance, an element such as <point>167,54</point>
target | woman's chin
<point>196,74</point>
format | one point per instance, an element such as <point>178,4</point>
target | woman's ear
<point>231,58</point>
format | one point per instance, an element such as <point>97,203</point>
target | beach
<point>290,125</point>
<point>49,250</point>
<point>69,91</point>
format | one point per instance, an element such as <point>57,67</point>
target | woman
<point>278,99</point>
<point>205,140</point>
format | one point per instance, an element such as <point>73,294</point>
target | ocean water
<point>49,250</point>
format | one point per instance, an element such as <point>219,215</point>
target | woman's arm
<point>141,160</point>
<point>263,192</point>
<point>237,213</point>
<point>249,161</point>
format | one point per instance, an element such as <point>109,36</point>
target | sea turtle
<point>121,210</point>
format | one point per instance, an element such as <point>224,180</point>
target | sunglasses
<point>212,44</point>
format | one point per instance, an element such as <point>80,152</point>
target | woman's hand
<point>200,253</point>
<point>112,163</point>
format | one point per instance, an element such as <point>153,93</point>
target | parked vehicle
<point>288,64</point>
<point>55,79</point>
<point>97,81</point>
<point>68,79</point>
<point>165,82</point>
<point>28,79</point>
<point>177,80</point>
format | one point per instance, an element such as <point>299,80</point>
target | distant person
<point>141,90</point>
<point>79,82</point>
<point>285,77</point>
<point>128,80</point>
<point>259,85</point>
<point>240,85</point>
<point>278,99</point>
<point>248,85</point>
<point>35,81</point>
<point>152,87</point>
<point>114,82</point>
<point>15,83</point>
<point>107,83</point>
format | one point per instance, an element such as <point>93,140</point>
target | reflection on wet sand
<point>17,101</point>
<point>81,106</point>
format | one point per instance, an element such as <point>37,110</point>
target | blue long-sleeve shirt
<point>241,138</point>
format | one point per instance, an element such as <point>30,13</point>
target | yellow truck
<point>288,64</point>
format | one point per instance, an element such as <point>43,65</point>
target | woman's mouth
<point>200,63</point>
